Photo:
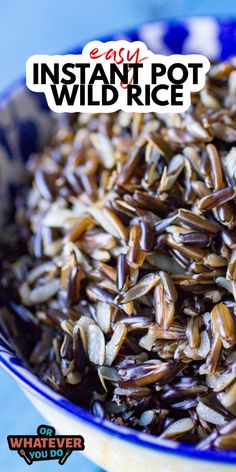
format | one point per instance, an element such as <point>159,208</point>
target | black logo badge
<point>46,445</point>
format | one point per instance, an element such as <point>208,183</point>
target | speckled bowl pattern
<point>26,124</point>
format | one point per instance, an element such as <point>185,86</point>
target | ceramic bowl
<point>25,125</point>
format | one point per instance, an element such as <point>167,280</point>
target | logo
<point>46,445</point>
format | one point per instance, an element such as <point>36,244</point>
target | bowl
<point>26,124</point>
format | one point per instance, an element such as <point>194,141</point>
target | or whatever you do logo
<point>46,445</point>
<point>117,75</point>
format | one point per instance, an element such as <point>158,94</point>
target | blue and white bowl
<point>25,126</point>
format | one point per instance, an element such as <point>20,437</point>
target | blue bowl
<point>26,124</point>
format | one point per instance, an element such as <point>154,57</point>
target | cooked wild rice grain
<point>118,281</point>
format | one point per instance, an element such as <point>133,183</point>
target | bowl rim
<point>29,381</point>
<point>5,94</point>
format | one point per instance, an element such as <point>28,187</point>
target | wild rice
<point>118,281</point>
